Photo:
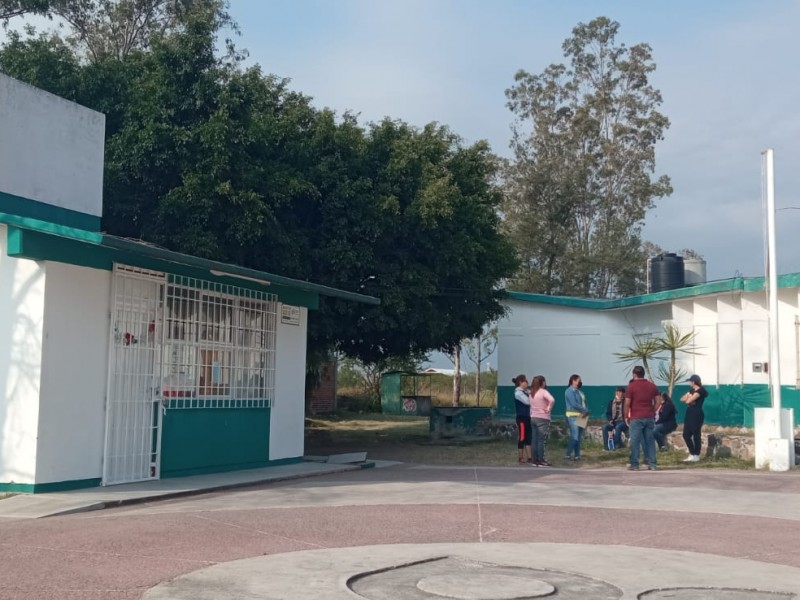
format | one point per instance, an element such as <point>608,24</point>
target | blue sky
<point>727,71</point>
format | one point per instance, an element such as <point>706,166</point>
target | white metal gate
<point>133,409</point>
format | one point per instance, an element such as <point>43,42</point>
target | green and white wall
<point>556,337</point>
<point>55,307</point>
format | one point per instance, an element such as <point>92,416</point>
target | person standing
<point>665,420</point>
<point>640,400</point>
<point>616,419</point>
<point>522,405</point>
<point>542,403</point>
<point>576,407</point>
<point>693,421</point>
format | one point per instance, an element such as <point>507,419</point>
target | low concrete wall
<point>718,442</point>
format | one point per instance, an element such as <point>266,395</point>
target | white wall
<point>731,330</point>
<point>22,297</point>
<point>287,420</point>
<point>74,373</point>
<point>557,341</point>
<point>51,150</point>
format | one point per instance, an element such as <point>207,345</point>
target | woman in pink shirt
<point>541,407</point>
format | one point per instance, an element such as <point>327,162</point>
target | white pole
<point>774,357</point>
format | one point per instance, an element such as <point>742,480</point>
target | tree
<point>479,349</point>
<point>644,350</point>
<point>18,8</point>
<point>206,157</point>
<point>456,360</point>
<point>672,342</point>
<point>648,348</point>
<point>584,152</point>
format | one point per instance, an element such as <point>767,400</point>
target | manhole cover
<point>484,586</point>
<point>713,594</point>
<point>462,579</point>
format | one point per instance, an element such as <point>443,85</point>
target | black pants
<point>692,428</point>
<point>524,431</point>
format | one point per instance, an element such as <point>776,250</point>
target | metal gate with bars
<point>180,343</point>
<point>133,415</point>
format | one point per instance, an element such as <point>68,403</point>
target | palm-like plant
<point>643,350</point>
<point>672,342</point>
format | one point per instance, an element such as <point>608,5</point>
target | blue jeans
<point>642,434</point>
<point>540,428</point>
<point>575,436</point>
<point>618,428</point>
<point>660,432</point>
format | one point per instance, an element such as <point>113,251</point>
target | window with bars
<point>219,345</point>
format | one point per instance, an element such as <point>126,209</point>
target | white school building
<point>121,361</point>
<point>558,336</point>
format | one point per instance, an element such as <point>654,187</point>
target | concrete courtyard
<point>411,531</point>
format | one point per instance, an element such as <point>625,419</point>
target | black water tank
<point>667,272</point>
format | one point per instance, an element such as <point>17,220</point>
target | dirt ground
<point>406,439</point>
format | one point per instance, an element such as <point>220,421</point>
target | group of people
<point>640,410</point>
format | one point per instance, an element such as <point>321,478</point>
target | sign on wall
<point>290,314</point>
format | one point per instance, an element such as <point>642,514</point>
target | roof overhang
<point>41,240</point>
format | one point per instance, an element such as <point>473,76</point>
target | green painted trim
<point>84,248</point>
<point>744,284</point>
<point>233,271</point>
<point>24,207</point>
<point>729,405</point>
<point>597,398</point>
<point>51,228</point>
<point>215,403</point>
<point>43,488</point>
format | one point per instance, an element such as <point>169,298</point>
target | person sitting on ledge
<point>616,420</point>
<point>666,421</point>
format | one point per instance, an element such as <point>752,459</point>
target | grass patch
<point>406,439</point>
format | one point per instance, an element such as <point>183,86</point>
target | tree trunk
<point>457,375</point>
<point>478,374</point>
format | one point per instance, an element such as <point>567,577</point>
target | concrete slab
<point>34,506</point>
<point>348,458</point>
<point>418,571</point>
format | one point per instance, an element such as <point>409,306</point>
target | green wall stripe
<point>35,245</point>
<point>208,440</point>
<point>729,405</point>
<point>23,207</point>
<point>56,486</point>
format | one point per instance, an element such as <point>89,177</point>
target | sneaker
<point>535,463</point>
<point>696,458</point>
<point>690,458</point>
<point>544,463</point>
<point>632,468</point>
<point>651,468</point>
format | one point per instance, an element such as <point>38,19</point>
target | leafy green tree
<point>647,348</point>
<point>206,157</point>
<point>584,151</point>
<point>18,8</point>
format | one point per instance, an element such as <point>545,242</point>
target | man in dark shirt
<point>640,402</point>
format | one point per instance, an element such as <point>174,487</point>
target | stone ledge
<point>718,442</point>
